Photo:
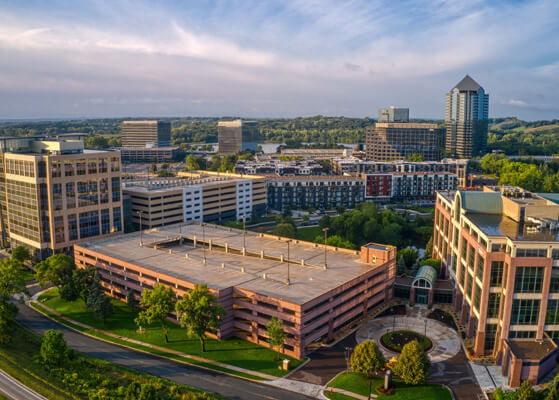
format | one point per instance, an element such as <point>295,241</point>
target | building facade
<point>144,133</point>
<point>387,141</point>
<point>195,197</point>
<point>278,167</point>
<point>393,114</point>
<point>466,119</point>
<point>299,192</point>
<point>55,194</point>
<point>148,154</point>
<point>500,250</point>
<point>316,154</point>
<point>237,136</point>
<point>249,274</point>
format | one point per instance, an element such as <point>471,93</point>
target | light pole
<point>244,234</point>
<point>288,241</point>
<point>141,237</point>
<point>325,230</point>
<point>370,380</point>
<point>204,241</point>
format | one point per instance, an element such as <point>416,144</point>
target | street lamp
<point>141,237</point>
<point>325,230</point>
<point>288,241</point>
<point>204,241</point>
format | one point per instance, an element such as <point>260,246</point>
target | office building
<point>148,154</point>
<point>393,114</point>
<point>500,250</point>
<point>146,133</point>
<point>388,141</point>
<point>237,136</point>
<point>278,167</point>
<point>53,193</point>
<point>315,291</point>
<point>195,197</point>
<point>466,119</point>
<point>302,192</point>
<point>316,154</point>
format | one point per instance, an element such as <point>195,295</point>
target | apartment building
<point>139,134</point>
<point>195,196</point>
<point>316,154</point>
<point>54,193</point>
<point>314,290</point>
<point>500,250</point>
<point>279,167</point>
<point>388,141</point>
<point>301,192</point>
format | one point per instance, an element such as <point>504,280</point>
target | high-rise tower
<point>466,115</point>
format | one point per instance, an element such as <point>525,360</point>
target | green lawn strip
<point>80,378</point>
<point>2,397</point>
<point>308,233</point>
<point>337,396</point>
<point>145,349</point>
<point>386,339</point>
<point>358,383</point>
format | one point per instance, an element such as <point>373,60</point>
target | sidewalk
<point>350,394</point>
<point>158,348</point>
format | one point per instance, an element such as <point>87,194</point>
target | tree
<point>400,266</point>
<point>54,351</point>
<point>429,247</point>
<point>131,301</point>
<point>409,255</point>
<point>433,262</point>
<point>367,359</point>
<point>133,391</point>
<point>83,280</point>
<point>413,365</point>
<point>20,254</point>
<point>199,311</point>
<point>285,230</point>
<point>158,304</point>
<point>11,282</point>
<point>147,392</point>
<point>415,157</point>
<point>276,334</point>
<point>153,168</point>
<point>526,392</point>
<point>58,270</point>
<point>103,308</point>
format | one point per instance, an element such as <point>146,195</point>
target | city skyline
<point>93,59</point>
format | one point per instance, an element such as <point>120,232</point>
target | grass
<point>28,274</point>
<point>387,340</point>
<point>78,378</point>
<point>358,383</point>
<point>308,233</point>
<point>230,351</point>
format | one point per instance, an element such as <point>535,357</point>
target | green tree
<point>400,266</point>
<point>12,282</point>
<point>20,254</point>
<point>413,365</point>
<point>83,279</point>
<point>429,247</point>
<point>54,351</point>
<point>368,360</point>
<point>103,308</point>
<point>409,255</point>
<point>147,392</point>
<point>133,391</point>
<point>199,311</point>
<point>276,334</point>
<point>433,262</point>
<point>58,270</point>
<point>131,301</point>
<point>526,392</point>
<point>415,157</point>
<point>285,230</point>
<point>158,304</point>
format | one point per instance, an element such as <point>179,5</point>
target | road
<point>224,385</point>
<point>15,390</point>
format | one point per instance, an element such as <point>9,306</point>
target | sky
<point>277,58</point>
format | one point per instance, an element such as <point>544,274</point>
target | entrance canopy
<point>425,277</point>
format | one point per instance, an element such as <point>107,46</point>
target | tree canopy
<point>12,282</point>
<point>276,334</point>
<point>158,303</point>
<point>413,365</point>
<point>367,358</point>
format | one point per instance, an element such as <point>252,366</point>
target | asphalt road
<point>15,390</point>
<point>224,385</point>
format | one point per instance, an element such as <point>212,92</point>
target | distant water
<point>270,148</point>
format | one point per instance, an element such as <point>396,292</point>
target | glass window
<point>72,227</point>
<point>89,224</point>
<point>115,164</point>
<point>525,312</point>
<point>471,259</point>
<point>59,229</point>
<point>80,167</point>
<point>496,273</point>
<point>531,252</point>
<point>493,305</point>
<point>528,279</point>
<point>555,254</point>
<point>102,165</point>
<point>522,334</point>
<point>117,219</point>
<point>68,168</point>
<point>56,169</point>
<point>70,195</point>
<point>57,196</point>
<point>115,180</point>
<point>468,288</point>
<point>552,314</point>
<point>105,221</point>
<point>477,297</point>
<point>490,335</point>
<point>42,169</point>
<point>104,191</point>
<point>92,167</point>
<point>480,266</point>
<point>554,285</point>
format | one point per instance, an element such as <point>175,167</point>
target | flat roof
<point>531,349</point>
<point>154,185</point>
<point>501,225</point>
<point>306,282</point>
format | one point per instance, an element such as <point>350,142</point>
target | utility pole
<point>325,230</point>
<point>141,237</point>
<point>288,241</point>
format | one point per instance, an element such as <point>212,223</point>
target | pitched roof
<point>468,84</point>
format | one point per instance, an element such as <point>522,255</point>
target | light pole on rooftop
<point>288,280</point>
<point>141,237</point>
<point>325,230</point>
<point>204,241</point>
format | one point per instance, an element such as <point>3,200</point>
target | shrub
<point>413,365</point>
<point>54,350</point>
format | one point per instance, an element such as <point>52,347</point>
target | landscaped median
<point>358,385</point>
<point>233,356</point>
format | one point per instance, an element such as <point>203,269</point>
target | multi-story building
<point>314,290</point>
<point>393,114</point>
<point>54,193</point>
<point>195,197</point>
<point>143,133</point>
<point>278,167</point>
<point>355,166</point>
<point>388,141</point>
<point>500,250</point>
<point>300,192</point>
<point>316,154</point>
<point>237,136</point>
<point>148,154</point>
<point>466,119</point>
<point>408,186</point>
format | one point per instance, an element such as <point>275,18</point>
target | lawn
<point>308,233</point>
<point>231,351</point>
<point>358,383</point>
<point>396,340</point>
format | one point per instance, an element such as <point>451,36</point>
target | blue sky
<point>274,58</point>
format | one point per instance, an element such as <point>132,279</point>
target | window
<point>480,265</point>
<point>554,285</point>
<point>528,279</point>
<point>115,164</point>
<point>70,195</point>
<point>531,252</point>
<point>468,288</point>
<point>72,227</point>
<point>477,297</point>
<point>56,169</point>
<point>471,258</point>
<point>92,167</point>
<point>493,305</point>
<point>525,312</point>
<point>42,169</point>
<point>490,335</point>
<point>57,196</point>
<point>102,165</point>
<point>496,273</point>
<point>115,181</point>
<point>80,167</point>
<point>552,314</point>
<point>117,219</point>
<point>68,168</point>
<point>105,221</point>
<point>59,229</point>
<point>522,334</point>
<point>555,254</point>
<point>103,191</point>
<point>89,224</point>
